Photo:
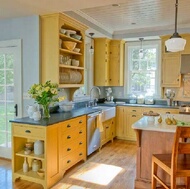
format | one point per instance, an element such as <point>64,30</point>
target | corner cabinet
<point>52,68</point>
<point>108,62</point>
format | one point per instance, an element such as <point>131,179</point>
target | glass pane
<point>1,61</point>
<point>10,93</point>
<point>9,77</point>
<point>2,77</point>
<point>2,93</point>
<point>135,54</point>
<point>9,140</point>
<point>2,139</point>
<point>9,61</point>
<point>135,65</point>
<point>143,65</point>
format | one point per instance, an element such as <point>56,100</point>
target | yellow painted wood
<point>101,61</point>
<point>171,76</point>
<point>72,137</point>
<point>51,50</point>
<point>116,64</point>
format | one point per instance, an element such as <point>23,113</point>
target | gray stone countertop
<point>63,116</point>
<point>56,117</point>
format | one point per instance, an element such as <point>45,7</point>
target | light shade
<point>175,44</point>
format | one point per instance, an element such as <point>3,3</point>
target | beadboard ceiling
<point>128,19</point>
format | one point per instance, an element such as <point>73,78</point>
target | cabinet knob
<point>80,143</point>
<point>68,125</point>
<point>80,132</point>
<point>80,121</point>
<point>27,131</point>
<point>68,149</point>
<point>68,137</point>
<point>68,161</point>
<point>80,154</point>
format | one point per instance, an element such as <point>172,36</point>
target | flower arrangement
<point>44,94</point>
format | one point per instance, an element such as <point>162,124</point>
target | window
<point>143,72</point>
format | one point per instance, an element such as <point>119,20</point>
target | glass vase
<point>46,113</point>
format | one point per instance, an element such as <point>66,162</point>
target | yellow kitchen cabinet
<point>22,133</point>
<point>162,110</point>
<point>126,116</point>
<point>54,64</point>
<point>108,131</point>
<point>72,142</point>
<point>187,46</point>
<point>171,64</point>
<point>116,64</point>
<point>101,61</point>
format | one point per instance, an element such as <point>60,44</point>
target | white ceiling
<point>132,18</point>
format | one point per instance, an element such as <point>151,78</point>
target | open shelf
<point>71,85</point>
<point>69,52</point>
<point>71,67</point>
<point>65,37</point>
<point>32,155</point>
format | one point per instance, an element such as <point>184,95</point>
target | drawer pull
<point>68,149</point>
<point>27,131</point>
<point>167,112</point>
<point>133,110</point>
<point>80,143</point>
<point>80,154</point>
<point>68,137</point>
<point>80,121</point>
<point>68,125</point>
<point>68,161</point>
<point>80,132</point>
<point>133,115</point>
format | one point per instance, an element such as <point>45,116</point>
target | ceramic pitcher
<point>30,110</point>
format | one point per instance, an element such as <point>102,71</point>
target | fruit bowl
<point>69,45</point>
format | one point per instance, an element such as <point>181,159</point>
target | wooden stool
<point>176,164</point>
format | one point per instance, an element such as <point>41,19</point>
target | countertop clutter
<point>145,124</point>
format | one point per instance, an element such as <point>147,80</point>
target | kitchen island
<point>153,138</point>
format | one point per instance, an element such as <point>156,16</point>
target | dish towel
<point>99,122</point>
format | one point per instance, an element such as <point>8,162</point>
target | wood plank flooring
<point>114,167</point>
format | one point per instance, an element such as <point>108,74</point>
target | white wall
<point>26,29</point>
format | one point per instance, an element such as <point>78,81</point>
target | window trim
<point>150,43</point>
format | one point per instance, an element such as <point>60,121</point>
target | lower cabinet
<point>126,116</point>
<point>108,131</point>
<point>64,145</point>
<point>72,142</point>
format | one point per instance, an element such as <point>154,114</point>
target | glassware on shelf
<point>25,165</point>
<point>38,147</point>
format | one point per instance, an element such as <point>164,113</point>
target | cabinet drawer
<point>134,110</point>
<point>73,146</point>
<point>69,160</point>
<point>73,123</point>
<point>71,135</point>
<point>28,131</point>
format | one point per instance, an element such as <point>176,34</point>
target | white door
<point>10,91</point>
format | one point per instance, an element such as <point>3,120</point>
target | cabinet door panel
<point>171,71</point>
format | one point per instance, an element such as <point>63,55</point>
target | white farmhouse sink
<point>108,112</point>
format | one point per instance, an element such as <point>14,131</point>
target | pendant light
<point>141,49</point>
<point>175,43</point>
<point>91,50</point>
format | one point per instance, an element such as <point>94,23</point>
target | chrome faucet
<point>99,92</point>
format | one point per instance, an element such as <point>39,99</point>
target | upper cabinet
<point>101,61</point>
<point>62,49</point>
<point>116,63</point>
<point>171,63</point>
<point>108,62</point>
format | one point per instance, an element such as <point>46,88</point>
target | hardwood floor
<point>111,168</point>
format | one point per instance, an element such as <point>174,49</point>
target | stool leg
<point>188,183</point>
<point>154,172</point>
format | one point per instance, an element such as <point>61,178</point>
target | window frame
<point>136,44</point>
